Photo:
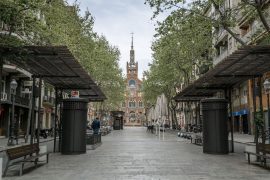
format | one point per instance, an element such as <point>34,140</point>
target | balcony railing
<point>48,99</point>
<point>22,100</point>
<point>221,57</point>
<point>4,96</point>
<point>52,100</point>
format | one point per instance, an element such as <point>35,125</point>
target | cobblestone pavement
<point>134,154</point>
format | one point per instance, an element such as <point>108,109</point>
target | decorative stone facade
<point>133,105</point>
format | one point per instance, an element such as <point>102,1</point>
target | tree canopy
<point>39,22</point>
<point>183,41</point>
<point>183,48</point>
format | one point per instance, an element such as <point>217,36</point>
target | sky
<point>116,20</point>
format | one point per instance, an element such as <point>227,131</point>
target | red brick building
<point>133,105</point>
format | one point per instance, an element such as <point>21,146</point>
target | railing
<point>221,57</point>
<point>47,99</point>
<point>3,96</point>
<point>220,34</point>
<point>263,134</point>
<point>52,100</point>
<point>22,100</point>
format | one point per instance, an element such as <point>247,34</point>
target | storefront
<point>240,119</point>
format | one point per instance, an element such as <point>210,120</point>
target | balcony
<point>4,96</point>
<point>18,99</point>
<point>22,100</point>
<point>220,34</point>
<point>220,57</point>
<point>52,100</point>
<point>48,100</point>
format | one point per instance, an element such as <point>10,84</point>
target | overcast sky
<point>116,19</point>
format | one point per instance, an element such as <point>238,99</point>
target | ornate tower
<point>132,67</point>
<point>133,105</point>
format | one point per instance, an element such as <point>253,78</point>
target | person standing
<point>96,125</point>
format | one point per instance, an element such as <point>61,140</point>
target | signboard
<point>28,83</point>
<point>75,94</point>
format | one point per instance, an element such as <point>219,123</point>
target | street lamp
<point>13,87</point>
<point>266,85</point>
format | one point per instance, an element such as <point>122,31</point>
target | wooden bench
<point>263,153</point>
<point>19,155</point>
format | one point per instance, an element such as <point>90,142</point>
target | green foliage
<point>39,22</point>
<point>226,18</point>
<point>183,42</point>
<point>259,120</point>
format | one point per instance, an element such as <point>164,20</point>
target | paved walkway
<point>237,137</point>
<point>133,153</point>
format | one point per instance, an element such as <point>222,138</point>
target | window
<point>132,116</point>
<point>132,104</point>
<point>140,104</point>
<point>131,93</point>
<point>132,83</point>
<point>245,28</point>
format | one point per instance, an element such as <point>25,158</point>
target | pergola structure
<point>55,65</point>
<point>248,62</point>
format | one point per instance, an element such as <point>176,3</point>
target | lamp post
<point>13,87</point>
<point>266,85</point>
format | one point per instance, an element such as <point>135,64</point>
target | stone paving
<point>134,154</point>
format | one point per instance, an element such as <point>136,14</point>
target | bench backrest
<point>264,148</point>
<point>22,151</point>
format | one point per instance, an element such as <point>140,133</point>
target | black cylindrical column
<point>74,126</point>
<point>215,134</point>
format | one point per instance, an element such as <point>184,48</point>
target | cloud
<point>116,19</point>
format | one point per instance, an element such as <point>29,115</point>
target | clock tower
<point>133,105</point>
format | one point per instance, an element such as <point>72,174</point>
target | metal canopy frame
<point>245,63</point>
<point>248,62</point>
<point>55,65</point>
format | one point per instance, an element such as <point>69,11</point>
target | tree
<point>182,42</point>
<point>39,22</point>
<point>225,18</point>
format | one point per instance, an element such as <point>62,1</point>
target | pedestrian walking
<point>96,125</point>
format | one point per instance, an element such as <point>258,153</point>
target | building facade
<point>133,105</point>
<point>249,30</point>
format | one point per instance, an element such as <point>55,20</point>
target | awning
<point>245,63</point>
<point>57,66</point>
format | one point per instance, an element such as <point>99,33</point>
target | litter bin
<point>215,133</point>
<point>74,126</point>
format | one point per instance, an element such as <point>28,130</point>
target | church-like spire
<point>132,40</point>
<point>132,53</point>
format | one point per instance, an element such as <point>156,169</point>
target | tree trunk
<point>223,18</point>
<point>262,18</point>
<point>174,124</point>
